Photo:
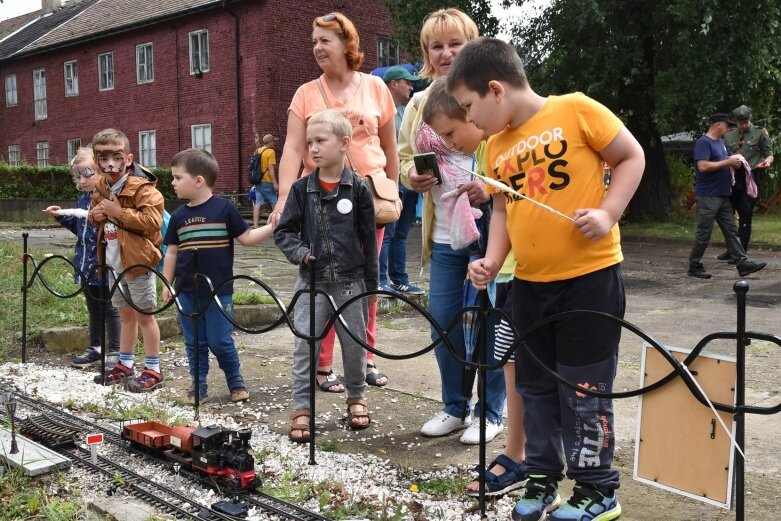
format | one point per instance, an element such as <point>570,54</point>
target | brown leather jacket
<point>140,222</point>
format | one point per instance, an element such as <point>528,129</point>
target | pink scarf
<point>751,185</point>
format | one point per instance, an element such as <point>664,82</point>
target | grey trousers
<point>353,355</point>
<point>719,209</point>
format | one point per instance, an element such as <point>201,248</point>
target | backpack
<point>255,175</point>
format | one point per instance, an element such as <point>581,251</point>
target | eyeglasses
<point>331,17</point>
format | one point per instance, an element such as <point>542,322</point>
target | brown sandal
<point>352,415</point>
<point>299,425</point>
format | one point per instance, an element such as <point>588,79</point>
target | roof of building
<point>91,19</point>
<point>12,24</point>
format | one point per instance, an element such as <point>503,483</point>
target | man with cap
<point>712,189</point>
<point>269,184</point>
<point>393,253</point>
<point>753,143</point>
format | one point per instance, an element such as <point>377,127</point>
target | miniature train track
<point>61,426</point>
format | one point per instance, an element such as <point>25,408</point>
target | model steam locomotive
<point>224,456</point>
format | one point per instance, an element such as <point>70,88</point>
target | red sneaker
<point>115,375</point>
<point>147,381</point>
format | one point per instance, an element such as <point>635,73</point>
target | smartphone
<point>426,163</point>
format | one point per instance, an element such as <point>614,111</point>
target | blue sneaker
<point>408,288</point>
<point>541,497</point>
<point>588,504</point>
<point>385,287</point>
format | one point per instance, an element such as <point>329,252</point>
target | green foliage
<point>27,498</point>
<point>407,18</point>
<point>681,184</point>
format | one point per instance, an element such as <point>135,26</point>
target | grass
<point>26,498</point>
<point>765,230</point>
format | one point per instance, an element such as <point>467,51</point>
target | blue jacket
<point>336,228</point>
<point>86,249</point>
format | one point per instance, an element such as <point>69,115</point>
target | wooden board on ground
<point>681,447</point>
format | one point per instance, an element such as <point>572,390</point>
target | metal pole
<point>481,391</point>
<point>25,236</point>
<point>312,361</point>
<point>741,289</point>
<point>196,318</point>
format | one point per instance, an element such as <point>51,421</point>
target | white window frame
<point>387,51</point>
<point>71,75</point>
<point>147,147</point>
<point>106,77</point>
<point>199,51</point>
<point>39,94</point>
<point>42,153</point>
<point>145,70</point>
<point>11,94</point>
<point>73,146</point>
<point>202,136</point>
<point>14,155</point>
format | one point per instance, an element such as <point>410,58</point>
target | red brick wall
<point>275,58</point>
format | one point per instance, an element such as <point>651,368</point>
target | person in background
<point>368,104</point>
<point>393,254</point>
<point>84,175</point>
<point>269,184</point>
<point>754,144</point>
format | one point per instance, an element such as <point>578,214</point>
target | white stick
<point>78,212</point>
<point>503,187</point>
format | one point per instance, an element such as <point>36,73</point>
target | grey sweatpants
<point>353,355</point>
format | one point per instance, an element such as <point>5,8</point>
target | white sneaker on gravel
<point>443,423</point>
<point>472,435</point>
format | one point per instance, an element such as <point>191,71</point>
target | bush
<point>681,184</point>
<point>55,182</point>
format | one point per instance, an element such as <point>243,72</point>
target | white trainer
<point>443,423</point>
<point>472,435</point>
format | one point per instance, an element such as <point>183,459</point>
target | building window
<point>106,70</point>
<point>147,147</point>
<point>199,51</point>
<point>71,79</point>
<point>42,153</point>
<point>145,72</point>
<point>387,52</point>
<point>14,155</point>
<point>39,93</point>
<point>10,90</point>
<point>73,146</point>
<point>202,137</point>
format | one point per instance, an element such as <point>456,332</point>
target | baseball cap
<point>398,73</point>
<point>268,138</point>
<point>720,116</point>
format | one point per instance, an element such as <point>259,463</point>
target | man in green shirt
<point>754,144</point>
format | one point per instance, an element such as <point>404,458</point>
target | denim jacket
<point>86,250</point>
<point>336,228</point>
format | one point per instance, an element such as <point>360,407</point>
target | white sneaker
<point>472,435</point>
<point>442,424</point>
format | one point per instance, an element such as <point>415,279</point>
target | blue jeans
<point>215,333</point>
<point>393,254</point>
<point>448,272</point>
<point>265,192</point>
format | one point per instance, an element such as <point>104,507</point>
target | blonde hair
<point>346,30</point>
<point>83,156</point>
<point>442,23</point>
<point>336,120</point>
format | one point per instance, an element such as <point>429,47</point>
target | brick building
<point>171,74</point>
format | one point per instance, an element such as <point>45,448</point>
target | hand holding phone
<point>426,164</point>
<point>763,164</point>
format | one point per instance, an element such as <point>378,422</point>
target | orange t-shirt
<point>369,109</point>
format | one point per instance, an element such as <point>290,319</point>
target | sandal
<point>330,381</point>
<point>375,375</point>
<point>299,425</point>
<point>353,415</point>
<point>511,479</point>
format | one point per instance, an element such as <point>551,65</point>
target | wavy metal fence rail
<point>678,369</point>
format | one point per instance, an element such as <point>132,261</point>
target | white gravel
<point>339,479</point>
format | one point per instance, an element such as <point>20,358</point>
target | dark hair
<point>197,162</point>
<point>346,30</point>
<point>484,60</point>
<point>439,102</point>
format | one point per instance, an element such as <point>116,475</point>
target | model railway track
<point>68,430</point>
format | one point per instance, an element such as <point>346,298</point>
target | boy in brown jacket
<point>128,210</point>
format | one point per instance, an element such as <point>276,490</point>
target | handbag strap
<point>328,105</point>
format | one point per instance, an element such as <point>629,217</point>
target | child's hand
<point>593,223</point>
<point>111,206</point>
<point>166,294</point>
<point>421,183</point>
<point>53,210</point>
<point>475,190</point>
<point>482,271</point>
<point>97,214</point>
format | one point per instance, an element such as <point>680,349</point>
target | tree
<point>407,18</point>
<point>661,65</point>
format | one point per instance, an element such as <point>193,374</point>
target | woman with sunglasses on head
<point>368,104</point>
<point>442,36</point>
<point>86,260</point>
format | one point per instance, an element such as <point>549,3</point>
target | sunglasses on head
<point>331,17</point>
